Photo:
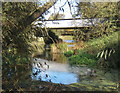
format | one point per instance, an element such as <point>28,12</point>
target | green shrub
<point>12,58</point>
<point>83,59</point>
<point>98,48</point>
<point>68,53</point>
<point>101,43</point>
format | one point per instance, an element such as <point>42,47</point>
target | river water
<point>53,67</point>
<point>53,72</point>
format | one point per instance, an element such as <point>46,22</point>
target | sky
<point>67,13</point>
<point>64,23</point>
<point>55,9</point>
<point>66,8</point>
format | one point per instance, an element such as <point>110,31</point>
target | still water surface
<point>55,68</point>
<point>56,73</point>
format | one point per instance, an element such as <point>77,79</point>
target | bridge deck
<point>68,23</point>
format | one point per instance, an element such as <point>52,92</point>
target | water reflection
<point>69,41</point>
<point>58,57</point>
<point>70,45</point>
<point>56,73</point>
<point>53,67</point>
<point>54,54</point>
<point>57,77</point>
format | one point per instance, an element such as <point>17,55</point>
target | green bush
<point>105,47</point>
<point>83,59</point>
<point>12,58</point>
<point>68,53</point>
<point>101,43</point>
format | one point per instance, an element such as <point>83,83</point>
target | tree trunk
<point>34,15</point>
<point>38,12</point>
<point>25,22</point>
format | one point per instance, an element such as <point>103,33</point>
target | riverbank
<point>102,54</point>
<point>15,81</point>
<point>100,51</point>
<point>18,78</point>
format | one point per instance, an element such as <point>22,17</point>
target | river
<point>54,68</point>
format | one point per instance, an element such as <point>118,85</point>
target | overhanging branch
<point>39,11</point>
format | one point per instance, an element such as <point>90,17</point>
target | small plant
<point>68,54</point>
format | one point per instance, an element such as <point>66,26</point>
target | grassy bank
<point>88,54</point>
<point>82,58</point>
<point>97,44</point>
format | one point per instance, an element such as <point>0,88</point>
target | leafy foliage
<point>105,53</point>
<point>56,16</point>
<point>15,59</point>
<point>105,48</point>
<point>17,27</point>
<point>99,44</point>
<point>83,59</point>
<point>11,25</point>
<point>16,48</point>
<point>69,53</point>
<point>51,38</point>
<point>108,16</point>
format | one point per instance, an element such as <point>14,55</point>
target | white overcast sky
<point>55,8</point>
<point>63,23</point>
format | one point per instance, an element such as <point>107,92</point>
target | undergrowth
<point>88,54</point>
<point>83,59</point>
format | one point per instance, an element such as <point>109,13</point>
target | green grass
<point>88,55</point>
<point>101,43</point>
